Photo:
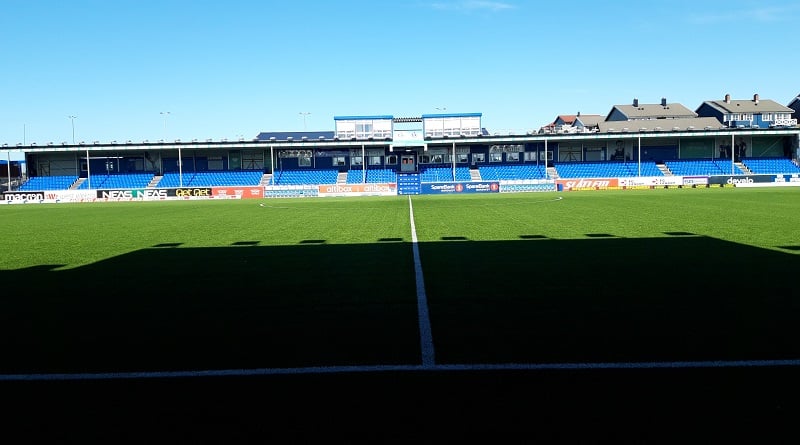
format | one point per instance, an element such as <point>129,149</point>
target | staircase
<point>743,168</point>
<point>552,173</point>
<point>77,184</point>
<point>266,178</point>
<point>154,181</point>
<point>474,174</point>
<point>341,178</point>
<point>664,169</point>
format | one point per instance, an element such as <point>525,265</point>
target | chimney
<point>755,98</point>
<point>727,98</point>
<point>579,114</point>
<point>663,101</point>
<point>635,102</point>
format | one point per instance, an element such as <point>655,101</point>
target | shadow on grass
<point>534,300</point>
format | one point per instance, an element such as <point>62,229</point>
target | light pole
<point>304,114</point>
<point>72,119</point>
<point>165,114</point>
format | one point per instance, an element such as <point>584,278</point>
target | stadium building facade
<point>635,145</point>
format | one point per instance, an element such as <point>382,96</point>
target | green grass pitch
<point>635,275</point>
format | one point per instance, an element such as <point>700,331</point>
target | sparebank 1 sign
<point>459,187</point>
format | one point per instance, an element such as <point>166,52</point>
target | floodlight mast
<point>72,120</point>
<point>304,114</point>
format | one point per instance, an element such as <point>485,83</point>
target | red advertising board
<point>241,192</point>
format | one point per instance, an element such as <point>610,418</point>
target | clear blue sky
<point>225,69</point>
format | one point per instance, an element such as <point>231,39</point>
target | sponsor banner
<point>460,187</point>
<point>736,180</point>
<point>587,184</point>
<point>695,180</point>
<point>330,153</point>
<point>237,192</point>
<point>787,180</point>
<point>190,192</point>
<point>131,195</point>
<point>794,177</point>
<point>71,195</point>
<point>23,196</point>
<point>383,189</point>
<point>769,184</point>
<point>640,181</point>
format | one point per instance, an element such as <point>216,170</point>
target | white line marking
<point>395,368</point>
<point>426,338</point>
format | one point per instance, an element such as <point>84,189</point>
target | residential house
<point>749,113</point>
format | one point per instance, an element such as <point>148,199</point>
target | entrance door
<point>408,163</point>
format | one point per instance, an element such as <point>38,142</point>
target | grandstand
<point>117,181</point>
<point>304,177</point>
<point>770,165</point>
<point>58,182</point>
<point>606,169</point>
<point>433,148</point>
<point>695,167</point>
<point>208,179</point>
<point>512,172</point>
